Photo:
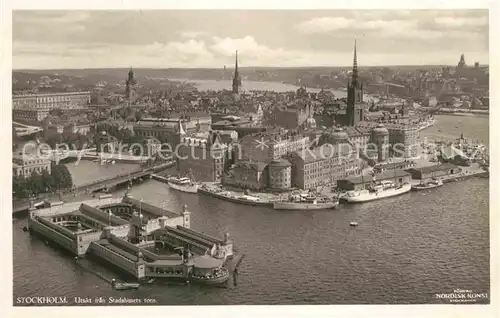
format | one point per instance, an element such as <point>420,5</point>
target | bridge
<point>25,130</point>
<point>106,183</point>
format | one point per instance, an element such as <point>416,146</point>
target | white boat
<point>435,183</point>
<point>308,202</point>
<point>379,190</point>
<point>123,286</point>
<point>183,184</point>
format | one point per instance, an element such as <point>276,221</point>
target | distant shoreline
<point>459,113</point>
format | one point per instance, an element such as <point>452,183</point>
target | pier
<point>233,265</point>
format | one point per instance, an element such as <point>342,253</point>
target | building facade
<point>323,165</point>
<point>404,140</point>
<point>49,101</point>
<point>24,166</point>
<point>29,115</point>
<point>280,174</point>
<point>248,175</point>
<point>364,182</point>
<point>268,146</point>
<point>203,158</point>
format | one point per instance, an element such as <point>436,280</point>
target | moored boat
<point>434,183</point>
<point>217,277</point>
<point>124,286</point>
<point>241,199</point>
<point>306,202</point>
<point>379,190</point>
<point>182,184</point>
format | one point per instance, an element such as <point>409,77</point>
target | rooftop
<point>149,208</point>
<point>379,176</point>
<point>430,169</point>
<point>323,152</point>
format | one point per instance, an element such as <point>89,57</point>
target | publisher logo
<point>462,296</point>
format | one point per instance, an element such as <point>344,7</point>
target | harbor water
<point>405,249</point>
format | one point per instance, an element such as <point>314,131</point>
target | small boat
<point>353,224</point>
<point>218,276</point>
<point>123,286</point>
<point>435,183</point>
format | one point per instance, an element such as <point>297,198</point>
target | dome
<point>280,163</point>
<point>339,135</point>
<point>380,130</point>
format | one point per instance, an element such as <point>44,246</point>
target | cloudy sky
<point>98,39</point>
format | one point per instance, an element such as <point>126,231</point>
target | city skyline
<point>209,39</point>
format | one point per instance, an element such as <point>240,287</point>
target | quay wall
<point>49,233</point>
<point>59,229</point>
<point>114,258</point>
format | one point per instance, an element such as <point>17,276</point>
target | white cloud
<point>324,24</point>
<point>215,52</point>
<point>59,17</point>
<point>192,34</point>
<point>454,22</point>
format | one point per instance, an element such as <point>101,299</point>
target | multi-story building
<point>29,115</point>
<point>268,146</point>
<point>324,165</point>
<point>280,174</point>
<point>202,157</point>
<point>25,165</point>
<point>248,175</point>
<point>393,139</point>
<point>292,116</point>
<point>404,140</point>
<point>167,129</point>
<point>49,101</point>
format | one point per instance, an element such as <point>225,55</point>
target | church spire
<point>236,78</point>
<point>355,66</point>
<point>236,65</point>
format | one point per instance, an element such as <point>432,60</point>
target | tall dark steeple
<point>355,78</point>
<point>354,94</point>
<point>461,63</point>
<point>131,87</point>
<point>236,78</point>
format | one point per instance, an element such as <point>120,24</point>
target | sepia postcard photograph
<point>181,156</point>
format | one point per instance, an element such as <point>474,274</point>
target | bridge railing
<point>128,175</point>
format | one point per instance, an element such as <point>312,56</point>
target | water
<point>84,172</point>
<point>214,85</point>
<point>451,126</point>
<point>405,249</point>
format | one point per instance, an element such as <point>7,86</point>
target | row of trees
<point>36,183</point>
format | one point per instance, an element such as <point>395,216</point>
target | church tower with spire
<point>354,95</point>
<point>236,78</point>
<point>130,89</point>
